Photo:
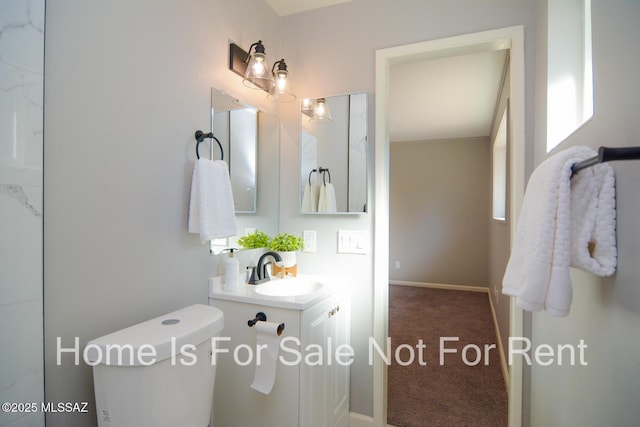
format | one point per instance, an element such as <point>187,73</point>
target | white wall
<point>127,84</point>
<point>605,312</point>
<point>439,211</point>
<point>332,51</point>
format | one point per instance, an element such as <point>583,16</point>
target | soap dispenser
<point>231,271</point>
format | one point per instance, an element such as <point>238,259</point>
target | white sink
<point>288,287</point>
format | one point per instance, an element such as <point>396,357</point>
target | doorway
<point>511,38</point>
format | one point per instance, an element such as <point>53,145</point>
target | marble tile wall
<point>21,147</point>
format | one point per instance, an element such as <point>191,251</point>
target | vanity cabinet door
<point>314,375</point>
<point>324,380</point>
<point>340,331</point>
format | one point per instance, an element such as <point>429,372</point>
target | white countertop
<point>247,294</point>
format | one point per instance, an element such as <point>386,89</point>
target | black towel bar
<point>606,154</point>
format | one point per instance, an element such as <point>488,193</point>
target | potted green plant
<point>257,239</point>
<point>286,245</point>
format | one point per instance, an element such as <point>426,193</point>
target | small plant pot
<point>288,258</point>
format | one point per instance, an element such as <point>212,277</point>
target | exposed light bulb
<point>281,81</point>
<point>279,91</point>
<point>258,73</point>
<point>258,66</point>
<point>321,111</point>
<point>320,108</point>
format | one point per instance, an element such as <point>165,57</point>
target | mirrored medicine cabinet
<point>250,140</point>
<point>333,150</point>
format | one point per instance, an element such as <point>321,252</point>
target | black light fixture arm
<point>282,66</point>
<point>259,48</point>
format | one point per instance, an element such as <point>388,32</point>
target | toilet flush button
<point>170,321</point>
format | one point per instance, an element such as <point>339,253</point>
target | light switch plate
<point>309,238</point>
<point>353,242</point>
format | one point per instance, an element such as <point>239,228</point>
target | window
<point>569,70</point>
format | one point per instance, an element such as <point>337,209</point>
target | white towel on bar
<point>310,198</point>
<point>327,199</point>
<point>593,220</point>
<point>211,208</point>
<point>559,217</point>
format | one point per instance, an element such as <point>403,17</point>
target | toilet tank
<point>157,373</point>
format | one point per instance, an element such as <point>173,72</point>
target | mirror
<point>333,154</point>
<point>235,125</point>
<point>250,140</point>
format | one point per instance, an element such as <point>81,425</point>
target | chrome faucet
<point>259,273</point>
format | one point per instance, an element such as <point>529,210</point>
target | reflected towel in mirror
<point>327,199</point>
<point>310,198</point>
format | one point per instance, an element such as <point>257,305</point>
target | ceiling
<point>434,98</point>
<point>288,7</point>
<point>451,97</point>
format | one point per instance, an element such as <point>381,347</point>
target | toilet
<point>157,373</point>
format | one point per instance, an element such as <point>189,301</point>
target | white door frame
<point>512,38</point>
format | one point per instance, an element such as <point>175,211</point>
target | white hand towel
<point>548,228</point>
<point>310,198</point>
<point>327,199</point>
<point>593,220</point>
<point>211,208</point>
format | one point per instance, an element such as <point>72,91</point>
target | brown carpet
<point>453,394</point>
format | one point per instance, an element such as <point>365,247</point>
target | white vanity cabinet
<point>311,393</point>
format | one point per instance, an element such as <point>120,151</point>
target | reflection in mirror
<point>240,129</point>
<point>236,127</point>
<point>333,154</point>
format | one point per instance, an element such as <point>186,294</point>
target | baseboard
<point>503,359</point>
<point>359,420</point>
<point>440,286</point>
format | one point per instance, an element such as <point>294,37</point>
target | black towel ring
<point>200,136</point>
<point>312,171</point>
<point>322,171</point>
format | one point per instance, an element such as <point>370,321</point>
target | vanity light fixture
<point>279,92</point>
<point>253,67</point>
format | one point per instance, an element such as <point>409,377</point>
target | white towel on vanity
<point>559,217</point>
<point>211,207</point>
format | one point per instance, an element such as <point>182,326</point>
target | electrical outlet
<point>309,238</point>
<point>397,265</point>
